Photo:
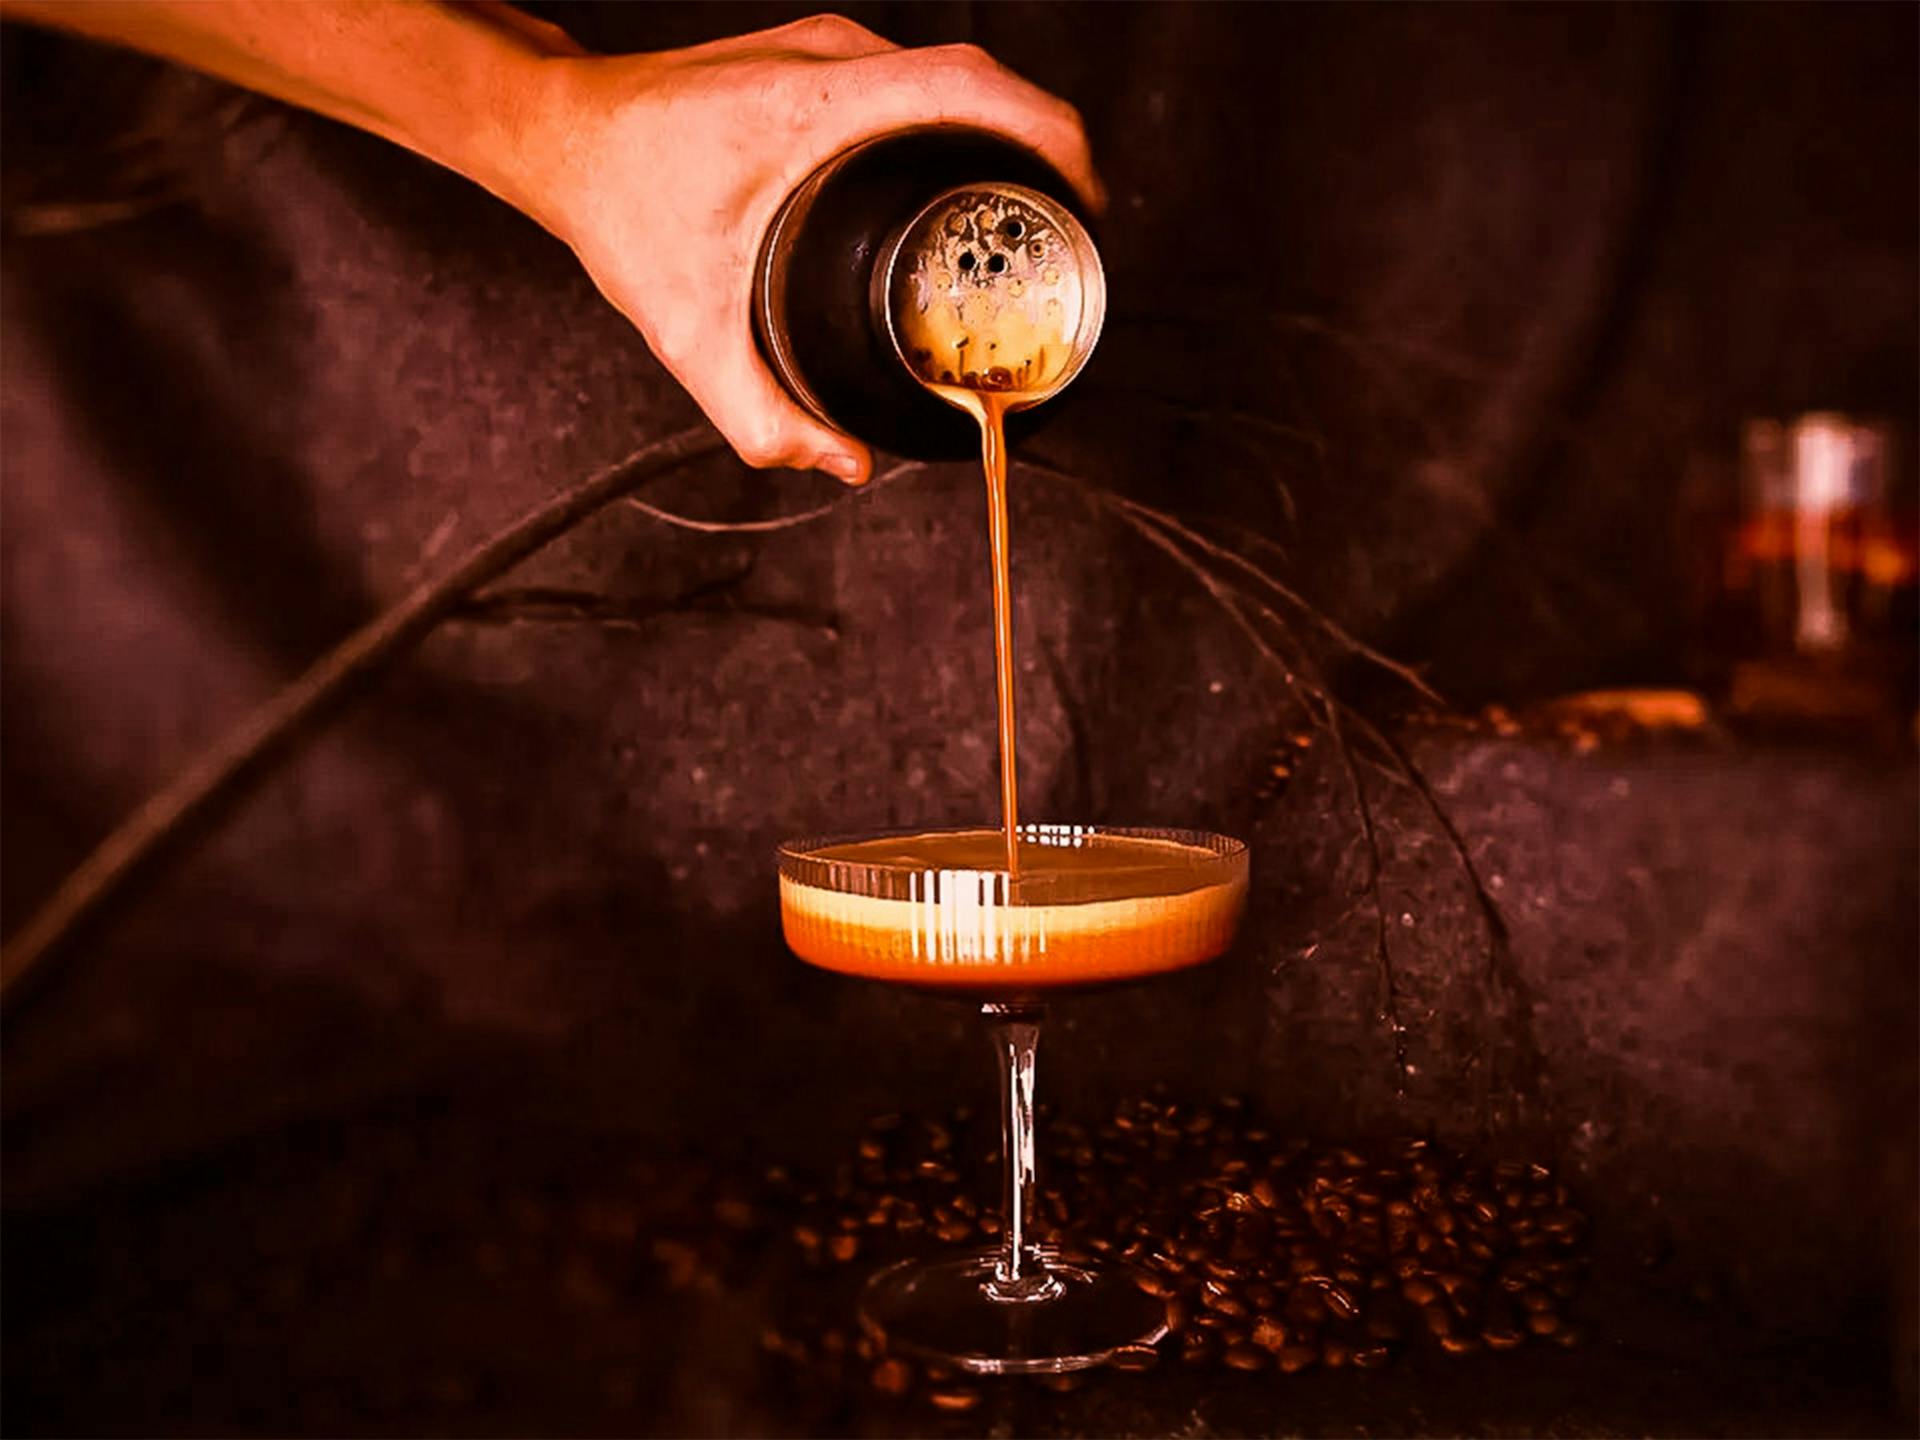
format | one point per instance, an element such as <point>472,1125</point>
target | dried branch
<point>221,771</point>
<point>1333,630</point>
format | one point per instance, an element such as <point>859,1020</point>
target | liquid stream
<point>987,319</point>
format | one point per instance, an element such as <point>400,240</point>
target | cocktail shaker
<point>857,246</point>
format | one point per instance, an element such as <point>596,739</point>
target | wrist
<point>550,115</point>
<point>493,137</point>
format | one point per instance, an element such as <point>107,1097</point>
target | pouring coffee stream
<point>987,294</point>
<point>994,301</point>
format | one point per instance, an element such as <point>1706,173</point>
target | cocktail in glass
<point>1090,905</point>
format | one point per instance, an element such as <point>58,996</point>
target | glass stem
<point>1018,1274</point>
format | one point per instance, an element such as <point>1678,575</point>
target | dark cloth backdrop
<point>1444,301</point>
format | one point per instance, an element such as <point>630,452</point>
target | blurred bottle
<point>1819,575</point>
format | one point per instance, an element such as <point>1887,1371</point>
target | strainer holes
<point>967,261</point>
<point>996,264</point>
<point>1013,229</point>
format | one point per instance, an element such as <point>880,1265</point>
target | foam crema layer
<point>1090,906</point>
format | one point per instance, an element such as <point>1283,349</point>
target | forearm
<point>449,83</point>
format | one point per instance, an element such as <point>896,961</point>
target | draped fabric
<point>1446,303</point>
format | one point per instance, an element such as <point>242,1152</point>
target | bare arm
<point>452,84</point>
<point>661,171</point>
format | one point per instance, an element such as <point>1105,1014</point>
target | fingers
<point>830,36</point>
<point>960,85</point>
<point>762,424</point>
<point>893,89</point>
<point>825,37</point>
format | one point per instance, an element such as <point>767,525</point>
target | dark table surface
<point>433,1265</point>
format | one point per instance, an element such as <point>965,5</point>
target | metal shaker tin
<point>847,247</point>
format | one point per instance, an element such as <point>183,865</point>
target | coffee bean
<point>1155,1285</point>
<point>954,1401</point>
<point>1562,1223</point>
<point>844,1247</point>
<point>1246,1357</point>
<point>1419,1292</point>
<point>1268,1333</point>
<point>1339,1303</point>
<point>1295,1358</point>
<point>1134,1358</point>
<point>1250,1243</point>
<point>892,1377</point>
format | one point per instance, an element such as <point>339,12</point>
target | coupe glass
<point>1091,905</point>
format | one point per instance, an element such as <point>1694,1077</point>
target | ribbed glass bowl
<point>1092,904</point>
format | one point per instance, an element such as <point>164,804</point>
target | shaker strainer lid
<point>993,287</point>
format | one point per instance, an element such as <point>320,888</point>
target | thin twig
<point>220,770</point>
<point>1333,629</point>
<point>1382,946</point>
<point>1330,718</point>
<point>778,522</point>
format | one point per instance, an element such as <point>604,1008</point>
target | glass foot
<point>1068,1316</point>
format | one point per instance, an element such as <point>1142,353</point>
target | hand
<point>662,172</point>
